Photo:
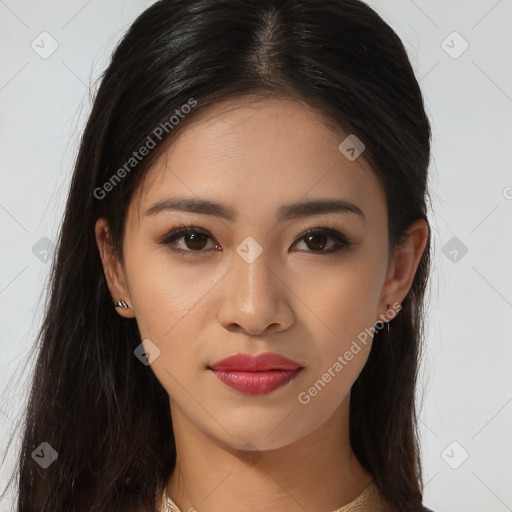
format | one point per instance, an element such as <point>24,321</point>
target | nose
<point>255,299</point>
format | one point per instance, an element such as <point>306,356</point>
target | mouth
<point>256,375</point>
<point>256,383</point>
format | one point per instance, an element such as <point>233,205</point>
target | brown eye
<point>316,242</point>
<point>317,239</point>
<point>187,240</point>
<point>195,241</point>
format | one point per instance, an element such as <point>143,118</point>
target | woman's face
<point>247,280</point>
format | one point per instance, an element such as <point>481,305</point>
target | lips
<point>258,363</point>
<point>255,375</point>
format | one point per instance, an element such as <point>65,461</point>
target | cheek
<point>342,310</point>
<point>340,352</point>
<point>342,299</point>
<point>170,312</point>
<point>166,293</point>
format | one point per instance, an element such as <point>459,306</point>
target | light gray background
<point>467,371</point>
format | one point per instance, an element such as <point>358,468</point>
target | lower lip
<point>256,383</point>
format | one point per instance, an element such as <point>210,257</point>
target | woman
<point>236,305</point>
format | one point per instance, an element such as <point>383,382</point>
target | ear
<point>404,264</point>
<point>114,273</point>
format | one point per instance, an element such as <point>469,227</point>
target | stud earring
<point>121,304</point>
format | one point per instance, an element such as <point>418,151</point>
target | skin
<point>308,306</point>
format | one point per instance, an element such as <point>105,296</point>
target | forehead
<point>256,154</point>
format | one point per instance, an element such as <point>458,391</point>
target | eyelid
<point>343,242</point>
<point>180,230</point>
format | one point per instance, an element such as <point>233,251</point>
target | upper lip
<point>255,363</point>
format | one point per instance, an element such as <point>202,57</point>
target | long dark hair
<point>104,413</point>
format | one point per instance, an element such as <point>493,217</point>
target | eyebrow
<point>285,212</point>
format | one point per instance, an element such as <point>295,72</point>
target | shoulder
<point>424,509</point>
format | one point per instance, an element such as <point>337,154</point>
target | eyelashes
<point>199,236</point>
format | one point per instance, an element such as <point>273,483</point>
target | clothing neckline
<point>367,501</point>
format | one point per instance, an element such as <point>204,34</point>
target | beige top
<point>368,501</point>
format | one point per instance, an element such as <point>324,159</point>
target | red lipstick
<point>255,375</point>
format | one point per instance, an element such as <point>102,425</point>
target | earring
<point>121,304</point>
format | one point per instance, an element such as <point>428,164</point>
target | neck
<point>318,472</point>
